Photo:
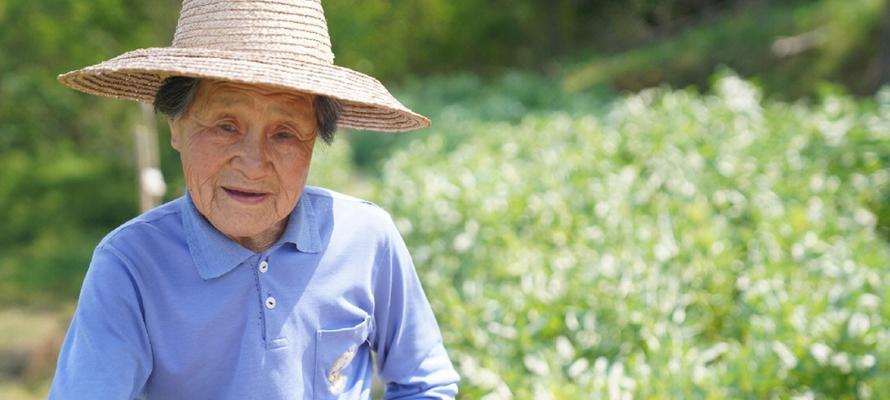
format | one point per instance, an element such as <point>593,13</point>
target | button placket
<point>268,299</point>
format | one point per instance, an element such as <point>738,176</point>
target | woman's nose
<point>251,159</point>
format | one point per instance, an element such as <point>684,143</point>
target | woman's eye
<point>284,135</point>
<point>228,128</point>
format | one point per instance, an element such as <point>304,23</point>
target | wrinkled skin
<point>245,153</point>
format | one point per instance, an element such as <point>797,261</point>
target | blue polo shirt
<point>172,309</point>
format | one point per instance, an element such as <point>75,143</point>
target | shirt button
<point>264,266</point>
<point>270,302</point>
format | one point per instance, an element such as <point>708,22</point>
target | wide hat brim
<point>137,75</point>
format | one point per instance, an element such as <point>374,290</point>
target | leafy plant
<point>677,246</point>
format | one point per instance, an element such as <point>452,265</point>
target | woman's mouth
<point>245,196</point>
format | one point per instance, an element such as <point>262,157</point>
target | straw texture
<point>276,43</point>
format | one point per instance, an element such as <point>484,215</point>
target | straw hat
<point>282,43</point>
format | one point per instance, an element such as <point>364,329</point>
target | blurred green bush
<point>66,173</point>
<point>677,246</point>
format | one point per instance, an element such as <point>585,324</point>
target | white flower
<point>869,300</point>
<point>858,325</point>
<point>536,365</point>
<point>867,361</point>
<point>787,357</point>
<point>564,348</point>
<point>578,367</point>
<point>713,352</point>
<point>820,352</point>
<point>842,362</point>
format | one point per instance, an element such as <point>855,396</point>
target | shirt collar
<point>215,254</point>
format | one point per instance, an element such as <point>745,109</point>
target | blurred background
<point>617,199</point>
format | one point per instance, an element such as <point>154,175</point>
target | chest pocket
<point>341,356</point>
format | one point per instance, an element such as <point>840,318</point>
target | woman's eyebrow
<point>293,108</point>
<point>229,100</point>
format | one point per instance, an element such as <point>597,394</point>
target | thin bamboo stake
<point>151,181</point>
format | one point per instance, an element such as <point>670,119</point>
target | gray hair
<point>176,94</point>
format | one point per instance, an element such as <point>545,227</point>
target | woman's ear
<point>175,130</point>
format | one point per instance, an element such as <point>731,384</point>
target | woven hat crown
<point>294,30</point>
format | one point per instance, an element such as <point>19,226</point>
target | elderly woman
<point>251,285</point>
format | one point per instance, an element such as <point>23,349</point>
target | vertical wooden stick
<point>151,181</point>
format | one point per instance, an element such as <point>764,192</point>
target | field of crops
<point>667,245</point>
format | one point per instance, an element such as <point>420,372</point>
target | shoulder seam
<point>139,220</point>
<point>331,194</point>
<point>116,253</point>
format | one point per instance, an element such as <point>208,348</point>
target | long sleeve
<point>106,353</point>
<point>411,358</point>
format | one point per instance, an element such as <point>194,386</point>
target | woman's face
<point>245,153</point>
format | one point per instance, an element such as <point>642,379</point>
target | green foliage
<point>55,209</point>
<point>392,39</point>
<point>456,103</point>
<point>395,39</point>
<point>65,174</point>
<point>828,40</point>
<point>677,246</point>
